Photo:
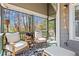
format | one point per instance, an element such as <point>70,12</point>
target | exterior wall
<point>64,32</point>
<point>72,44</point>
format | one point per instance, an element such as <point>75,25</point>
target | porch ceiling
<point>37,7</point>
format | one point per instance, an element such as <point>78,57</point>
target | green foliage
<point>52,25</point>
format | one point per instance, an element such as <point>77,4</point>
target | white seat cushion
<point>40,40</point>
<point>58,51</point>
<point>19,45</point>
<point>13,37</point>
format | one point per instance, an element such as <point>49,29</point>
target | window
<point>52,29</point>
<point>14,21</point>
<point>21,22</point>
<point>6,20</point>
<point>26,23</point>
<point>10,20</point>
<point>40,25</point>
<point>77,21</point>
<point>0,18</point>
<point>30,23</point>
<point>13,18</point>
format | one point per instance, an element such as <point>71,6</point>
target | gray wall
<point>64,33</point>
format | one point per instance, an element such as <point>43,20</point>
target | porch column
<point>58,25</point>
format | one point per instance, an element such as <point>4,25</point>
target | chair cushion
<point>19,45</point>
<point>13,37</point>
<point>40,40</point>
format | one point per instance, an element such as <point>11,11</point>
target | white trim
<point>58,25</point>
<point>77,21</point>
<point>72,22</point>
<point>13,7</point>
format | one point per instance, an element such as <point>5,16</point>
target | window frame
<point>72,22</point>
<point>75,21</point>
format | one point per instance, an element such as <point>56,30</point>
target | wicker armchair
<point>14,44</point>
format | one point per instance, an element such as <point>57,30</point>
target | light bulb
<point>65,27</point>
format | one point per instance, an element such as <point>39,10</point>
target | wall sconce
<point>65,6</point>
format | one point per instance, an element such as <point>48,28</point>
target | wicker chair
<point>14,44</point>
<point>39,39</point>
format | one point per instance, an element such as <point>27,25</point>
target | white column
<point>58,25</point>
<point>71,21</point>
